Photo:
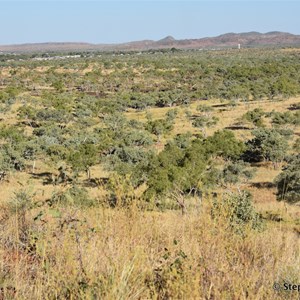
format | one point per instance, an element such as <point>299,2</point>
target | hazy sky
<point>121,21</point>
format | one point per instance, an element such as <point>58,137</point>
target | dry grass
<point>131,254</point>
<point>227,116</point>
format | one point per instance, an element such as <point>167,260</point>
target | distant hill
<point>228,40</point>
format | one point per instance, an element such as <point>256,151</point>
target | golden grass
<point>226,117</point>
<point>129,254</point>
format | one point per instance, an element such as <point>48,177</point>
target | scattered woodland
<point>163,174</point>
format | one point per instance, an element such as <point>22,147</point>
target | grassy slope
<point>105,254</point>
<point>117,254</point>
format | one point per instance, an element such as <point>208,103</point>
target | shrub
<point>204,122</point>
<point>288,181</point>
<point>159,127</point>
<point>74,196</point>
<point>239,211</point>
<point>255,117</point>
<point>268,145</point>
<point>296,146</point>
<point>234,172</point>
<point>223,143</point>
<point>204,108</point>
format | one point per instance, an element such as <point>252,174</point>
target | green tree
<point>159,127</point>
<point>187,169</point>
<point>268,145</point>
<point>296,146</point>
<point>223,143</point>
<point>254,117</point>
<point>83,158</point>
<point>288,181</point>
<point>204,122</point>
<point>236,172</point>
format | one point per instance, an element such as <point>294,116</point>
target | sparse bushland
<point>150,176</point>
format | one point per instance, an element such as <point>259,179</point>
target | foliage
<point>160,126</point>
<point>73,196</point>
<point>92,112</point>
<point>267,145</point>
<point>223,143</point>
<point>204,108</point>
<point>288,181</point>
<point>255,117</point>
<point>296,146</point>
<point>204,121</point>
<point>121,192</point>
<point>83,158</point>
<point>234,172</point>
<point>186,168</point>
<point>238,209</point>
<point>286,118</point>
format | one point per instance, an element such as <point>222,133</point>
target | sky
<point>122,21</point>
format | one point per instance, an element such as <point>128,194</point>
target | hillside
<point>228,40</point>
<point>154,175</point>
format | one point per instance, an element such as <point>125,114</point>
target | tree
<point>83,158</point>
<point>288,181</point>
<point>5,166</point>
<point>204,122</point>
<point>115,121</point>
<point>286,119</point>
<point>159,127</point>
<point>186,169</point>
<point>16,148</point>
<point>223,143</point>
<point>171,115</point>
<point>204,109</point>
<point>267,145</point>
<point>204,119</point>
<point>296,146</point>
<point>131,154</point>
<point>235,172</point>
<point>255,117</point>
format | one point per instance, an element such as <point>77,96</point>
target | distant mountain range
<point>228,40</point>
